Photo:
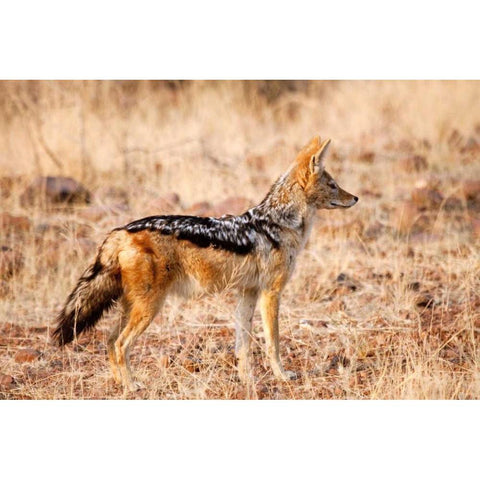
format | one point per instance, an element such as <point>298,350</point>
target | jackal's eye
<point>332,184</point>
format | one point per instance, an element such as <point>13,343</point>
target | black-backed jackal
<point>254,253</point>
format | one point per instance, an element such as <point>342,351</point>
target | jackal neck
<point>284,205</point>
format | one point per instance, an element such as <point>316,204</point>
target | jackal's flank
<point>253,253</point>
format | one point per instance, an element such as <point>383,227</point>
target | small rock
<point>11,261</point>
<point>471,145</point>
<point>7,184</point>
<point>14,224</point>
<point>345,281</point>
<point>26,355</point>
<point>6,381</point>
<point>367,157</point>
<point>372,193</point>
<point>37,373</point>
<point>424,300</point>
<point>471,190</point>
<point>337,361</point>
<point>426,144</point>
<point>415,286</point>
<point>337,391</point>
<point>453,203</point>
<point>262,391</point>
<point>54,190</point>
<point>172,197</point>
<point>192,364</point>
<point>56,365</point>
<point>449,354</point>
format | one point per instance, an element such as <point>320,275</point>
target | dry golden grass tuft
<point>385,299</point>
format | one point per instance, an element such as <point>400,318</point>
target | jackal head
<point>321,190</point>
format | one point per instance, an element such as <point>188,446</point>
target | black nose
<point>356,199</point>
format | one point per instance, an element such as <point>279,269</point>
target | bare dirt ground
<point>384,303</point>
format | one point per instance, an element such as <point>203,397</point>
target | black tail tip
<point>61,337</point>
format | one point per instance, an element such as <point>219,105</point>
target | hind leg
<point>141,315</point>
<point>112,356</point>
<point>145,279</point>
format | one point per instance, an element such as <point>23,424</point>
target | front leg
<point>269,307</point>
<point>243,335</point>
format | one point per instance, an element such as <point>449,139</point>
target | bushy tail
<point>96,291</point>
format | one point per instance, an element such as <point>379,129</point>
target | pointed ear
<point>309,149</point>
<point>316,161</point>
<point>314,143</point>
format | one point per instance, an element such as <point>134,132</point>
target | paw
<point>134,386</point>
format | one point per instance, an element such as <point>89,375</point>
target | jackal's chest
<point>278,267</point>
<point>283,261</point>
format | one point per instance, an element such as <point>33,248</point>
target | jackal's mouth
<point>341,205</point>
<point>352,202</point>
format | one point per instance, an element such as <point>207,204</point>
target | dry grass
<point>401,322</point>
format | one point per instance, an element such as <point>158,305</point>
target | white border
<point>54,39</point>
<point>235,439</point>
<point>212,39</point>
